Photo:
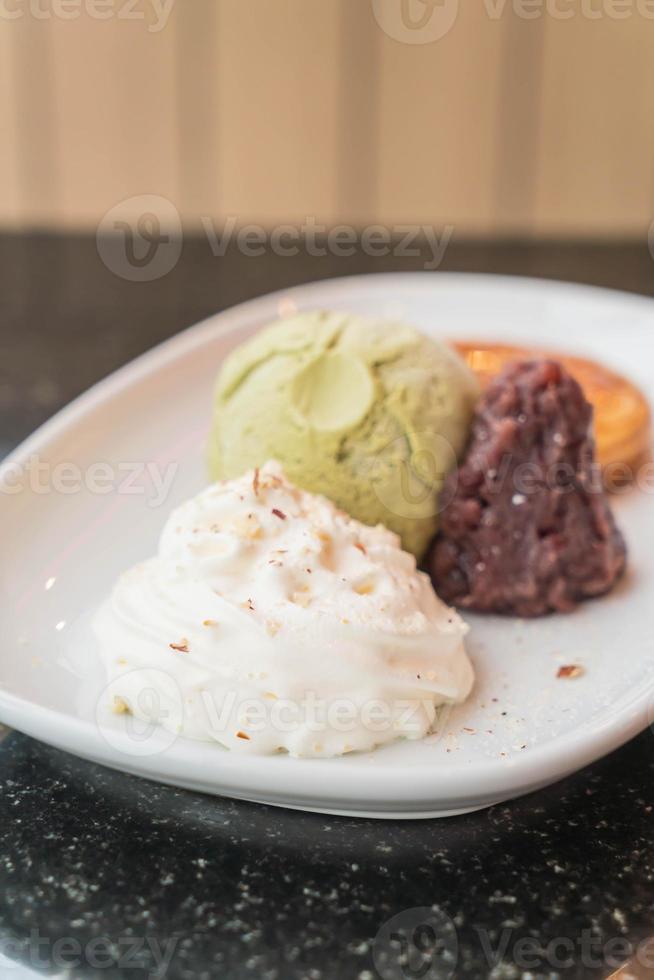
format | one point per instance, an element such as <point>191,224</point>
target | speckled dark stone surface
<point>251,891</point>
<point>559,884</point>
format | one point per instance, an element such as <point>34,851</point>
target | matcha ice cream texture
<point>370,413</point>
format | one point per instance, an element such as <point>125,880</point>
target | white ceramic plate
<point>71,527</point>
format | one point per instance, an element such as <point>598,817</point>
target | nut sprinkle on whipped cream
<point>271,621</point>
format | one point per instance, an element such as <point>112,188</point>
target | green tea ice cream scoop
<point>370,413</point>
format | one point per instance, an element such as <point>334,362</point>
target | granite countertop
<point>106,875</point>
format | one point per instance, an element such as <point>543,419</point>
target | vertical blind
<point>275,110</point>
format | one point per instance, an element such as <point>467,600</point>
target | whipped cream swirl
<point>271,621</point>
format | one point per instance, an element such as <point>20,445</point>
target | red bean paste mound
<point>526,528</point>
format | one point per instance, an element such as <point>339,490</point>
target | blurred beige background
<point>272,110</point>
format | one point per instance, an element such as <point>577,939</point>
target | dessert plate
<point>86,496</point>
